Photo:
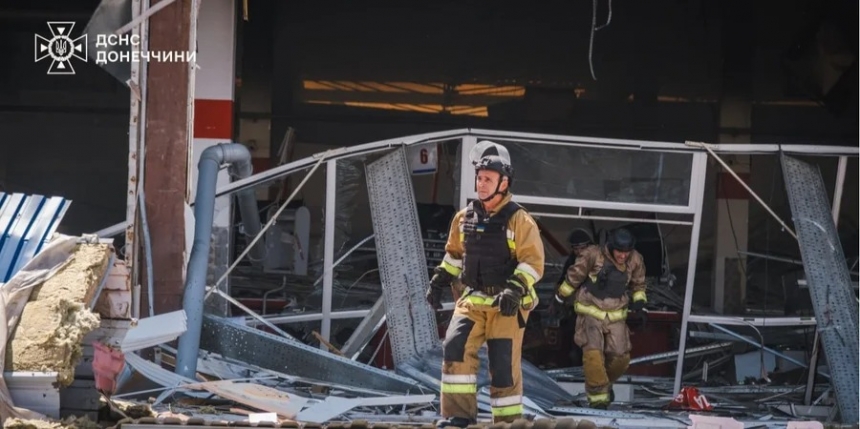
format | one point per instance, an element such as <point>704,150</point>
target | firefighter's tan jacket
<point>524,241</point>
<point>588,264</point>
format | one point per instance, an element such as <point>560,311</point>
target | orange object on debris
<point>689,398</point>
<point>107,365</point>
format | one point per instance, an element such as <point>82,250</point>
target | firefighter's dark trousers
<point>475,322</point>
<point>605,353</point>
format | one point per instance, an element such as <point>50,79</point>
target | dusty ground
<point>56,318</point>
<point>69,423</point>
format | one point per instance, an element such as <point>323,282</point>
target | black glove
<point>434,297</point>
<point>636,306</point>
<point>509,299</point>
<point>441,279</point>
<point>558,307</point>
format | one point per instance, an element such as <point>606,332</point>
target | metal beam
<point>402,263</point>
<point>837,203</point>
<point>762,346</point>
<point>698,183</point>
<point>753,321</point>
<point>365,330</point>
<point>611,218</point>
<point>471,135</point>
<point>833,298</point>
<point>328,250</point>
<point>259,348</point>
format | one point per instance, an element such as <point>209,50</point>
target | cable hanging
<point>594,29</point>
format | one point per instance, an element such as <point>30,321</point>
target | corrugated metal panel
<point>27,222</point>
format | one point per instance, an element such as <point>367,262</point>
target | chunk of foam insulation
<point>56,318</point>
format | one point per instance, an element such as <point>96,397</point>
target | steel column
<point>328,254</point>
<point>700,167</point>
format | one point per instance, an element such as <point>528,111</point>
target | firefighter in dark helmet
<point>494,248</point>
<point>579,239</point>
<point>604,284</point>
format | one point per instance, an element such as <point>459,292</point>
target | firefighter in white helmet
<point>494,248</point>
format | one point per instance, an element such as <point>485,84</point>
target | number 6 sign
<point>423,159</point>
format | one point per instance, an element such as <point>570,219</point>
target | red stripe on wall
<point>213,119</point>
<point>728,187</point>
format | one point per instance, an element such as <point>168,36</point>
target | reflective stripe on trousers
<point>590,310</point>
<point>507,406</point>
<point>478,298</point>
<point>470,328</point>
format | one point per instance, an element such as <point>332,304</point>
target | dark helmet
<point>621,240</point>
<point>579,237</point>
<point>487,155</point>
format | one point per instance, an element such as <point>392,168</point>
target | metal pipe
<point>198,264</point>
<point>259,234</point>
<point>241,167</point>
<point>771,257</point>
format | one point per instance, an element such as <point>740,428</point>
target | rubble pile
<point>57,316</point>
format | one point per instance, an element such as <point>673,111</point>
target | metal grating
<point>278,354</point>
<point>27,222</point>
<point>400,252</point>
<point>826,272</point>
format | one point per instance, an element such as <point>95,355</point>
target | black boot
<point>611,395</point>
<point>459,422</point>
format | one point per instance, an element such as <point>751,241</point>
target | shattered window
<point>601,174</point>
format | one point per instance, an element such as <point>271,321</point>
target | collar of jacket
<point>507,198</point>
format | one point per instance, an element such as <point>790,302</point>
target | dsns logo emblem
<point>61,48</point>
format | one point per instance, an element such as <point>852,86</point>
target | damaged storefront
<point>316,314</point>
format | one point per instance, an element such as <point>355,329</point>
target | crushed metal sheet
<point>155,373</point>
<point>365,330</point>
<point>245,344</point>
<point>334,406</point>
<point>579,411</point>
<point>257,396</point>
<point>155,330</point>
<point>537,385</point>
<point>833,298</point>
<point>27,223</point>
